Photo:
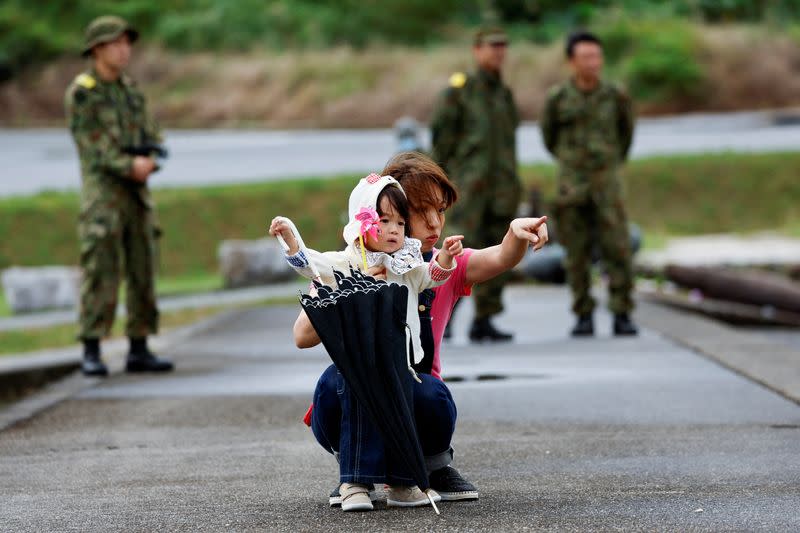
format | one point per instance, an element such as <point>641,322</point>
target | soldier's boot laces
<point>584,327</point>
<point>141,359</point>
<point>623,325</point>
<point>92,365</point>
<point>483,330</point>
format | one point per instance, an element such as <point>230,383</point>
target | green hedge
<point>32,31</point>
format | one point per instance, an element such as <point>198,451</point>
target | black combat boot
<point>623,325</point>
<point>92,365</point>
<point>483,330</point>
<point>141,359</point>
<point>584,327</point>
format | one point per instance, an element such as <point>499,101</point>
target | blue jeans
<point>342,427</point>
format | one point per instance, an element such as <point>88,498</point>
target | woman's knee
<point>433,402</point>
<point>328,383</point>
<point>326,415</point>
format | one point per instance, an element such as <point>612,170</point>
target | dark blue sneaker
<point>451,486</point>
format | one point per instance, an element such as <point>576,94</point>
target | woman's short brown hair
<point>420,176</point>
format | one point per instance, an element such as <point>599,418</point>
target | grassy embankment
<point>345,64</point>
<point>669,196</point>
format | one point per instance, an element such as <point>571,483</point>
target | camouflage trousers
<point>481,229</point>
<point>580,228</point>
<point>117,238</point>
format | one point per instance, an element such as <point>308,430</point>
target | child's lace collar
<point>400,262</point>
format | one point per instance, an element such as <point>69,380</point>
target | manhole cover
<point>494,377</point>
<point>491,377</point>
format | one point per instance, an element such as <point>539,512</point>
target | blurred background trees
<point>32,31</point>
<point>348,63</point>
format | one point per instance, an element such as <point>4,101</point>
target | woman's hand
<point>279,226</point>
<point>533,230</point>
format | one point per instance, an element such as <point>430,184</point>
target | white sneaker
<point>335,498</point>
<point>403,496</point>
<point>355,497</point>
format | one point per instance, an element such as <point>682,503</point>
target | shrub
<point>658,60</point>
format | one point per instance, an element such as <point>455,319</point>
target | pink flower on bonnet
<point>369,221</point>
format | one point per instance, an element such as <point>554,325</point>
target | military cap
<point>105,29</point>
<point>491,35</point>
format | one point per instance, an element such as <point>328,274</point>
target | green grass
<point>691,195</point>
<point>5,310</point>
<point>190,283</point>
<point>41,229</point>
<point>666,196</point>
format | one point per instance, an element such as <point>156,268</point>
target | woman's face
<point>427,225</point>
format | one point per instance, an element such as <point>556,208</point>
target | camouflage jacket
<point>104,118</point>
<point>587,132</point>
<point>474,139</point>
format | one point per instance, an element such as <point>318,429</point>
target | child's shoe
<point>355,497</point>
<point>335,498</point>
<point>403,496</point>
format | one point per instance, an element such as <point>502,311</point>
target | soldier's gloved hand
<point>143,166</point>
<point>533,230</point>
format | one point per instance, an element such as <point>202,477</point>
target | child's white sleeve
<point>431,274</point>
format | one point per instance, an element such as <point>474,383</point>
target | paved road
<point>34,160</point>
<point>630,434</point>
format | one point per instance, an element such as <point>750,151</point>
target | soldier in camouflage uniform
<point>474,139</point>
<point>587,125</point>
<point>106,114</point>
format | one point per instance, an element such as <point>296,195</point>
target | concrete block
<point>248,263</point>
<point>29,289</point>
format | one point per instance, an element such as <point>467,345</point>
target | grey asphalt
<point>559,434</point>
<point>45,159</point>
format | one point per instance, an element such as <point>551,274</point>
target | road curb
<point>770,363</point>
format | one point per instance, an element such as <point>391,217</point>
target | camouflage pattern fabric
<point>474,139</point>
<point>590,135</point>
<point>116,226</point>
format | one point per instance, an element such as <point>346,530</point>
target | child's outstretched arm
<point>280,226</point>
<point>305,261</point>
<point>440,268</point>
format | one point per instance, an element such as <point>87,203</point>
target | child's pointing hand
<point>453,245</point>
